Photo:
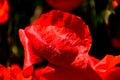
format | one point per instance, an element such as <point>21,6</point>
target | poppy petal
<point>30,57</point>
<point>108,62</point>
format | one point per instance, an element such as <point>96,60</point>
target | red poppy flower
<point>104,66</point>
<point>61,38</point>
<point>13,72</point>
<point>65,5</point>
<point>4,11</point>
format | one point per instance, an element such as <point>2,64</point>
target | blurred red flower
<point>4,11</point>
<point>116,43</point>
<point>64,41</point>
<point>65,5</point>
<point>13,72</point>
